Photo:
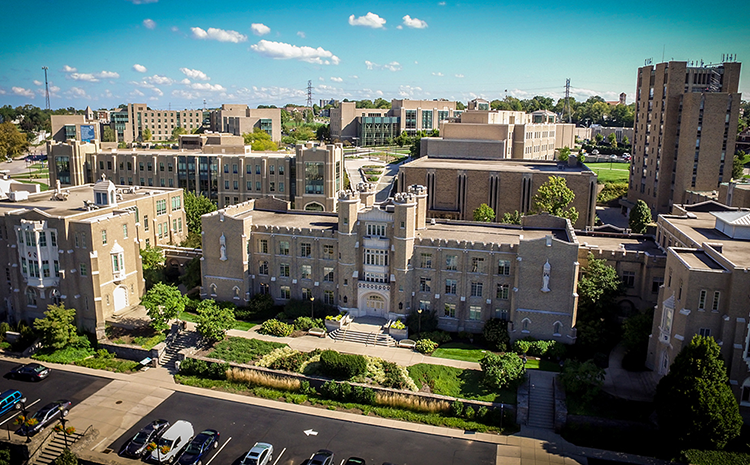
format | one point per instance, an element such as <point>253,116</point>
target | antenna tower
<point>46,88</point>
<point>204,104</point>
<point>566,105</point>
<point>309,95</point>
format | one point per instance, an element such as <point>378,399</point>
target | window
<point>306,271</point>
<point>31,297</point>
<point>257,185</point>
<point>476,289</point>
<point>328,274</point>
<point>84,270</point>
<point>161,166</point>
<point>45,268</point>
<point>475,312</point>
<point>53,238</point>
<point>140,166</point>
<point>305,249</point>
<point>425,305</point>
<point>503,267</point>
<point>56,265</point>
<point>656,284</point>
<point>306,293</point>
<point>281,169</point>
<point>451,262</point>
<point>328,298</point>
<point>265,289</point>
<point>502,291</point>
<point>450,286</point>
<point>42,239</point>
<point>272,186</point>
<point>176,203</point>
<point>145,223</point>
<point>104,237</point>
<point>283,247</point>
<point>281,187</point>
<point>425,284</point>
<point>125,231</point>
<point>263,246</point>
<point>226,184</point>
<point>449,310</point>
<point>285,292</point>
<point>425,260</point>
<point>702,300</point>
<point>715,305</point>
<point>525,325</point>
<point>158,229</point>
<point>234,169</point>
<point>477,265</point>
<point>263,267</point>
<point>314,177</point>
<point>628,278</point>
<point>328,252</point>
<point>284,270</point>
<point>705,332</point>
<point>376,257</point>
<point>257,169</point>
<point>557,328</point>
<point>377,230</point>
<point>271,169</point>
<point>226,168</point>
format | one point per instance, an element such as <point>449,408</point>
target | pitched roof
<point>737,218</point>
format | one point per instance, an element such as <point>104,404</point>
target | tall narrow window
<point>715,306</point>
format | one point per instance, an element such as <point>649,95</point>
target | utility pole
<point>46,88</point>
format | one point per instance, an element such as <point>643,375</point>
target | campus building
<point>685,129</point>
<point>705,288</point>
<point>75,127</point>
<point>240,119</point>
<point>130,123</point>
<point>80,246</point>
<point>218,166</point>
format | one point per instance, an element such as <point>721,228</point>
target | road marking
<point>311,432</point>
<point>17,412</point>
<point>100,443</point>
<point>218,451</point>
<point>277,458</point>
<point>342,462</point>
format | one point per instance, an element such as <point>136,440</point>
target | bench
<point>145,362</point>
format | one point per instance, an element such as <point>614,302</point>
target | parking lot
<point>248,424</point>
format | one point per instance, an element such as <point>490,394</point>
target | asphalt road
<point>58,385</point>
<point>247,424</point>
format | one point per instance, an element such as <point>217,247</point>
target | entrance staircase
<point>541,400</point>
<point>362,337</point>
<point>55,448</point>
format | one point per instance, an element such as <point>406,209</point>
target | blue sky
<point>176,53</point>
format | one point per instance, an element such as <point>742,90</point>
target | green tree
<point>213,320</point>
<point>56,328</point>
<point>12,142</point>
<point>260,141</point>
<point>152,259</point>
<point>403,139</point>
<point>496,334</point>
<point>66,458</point>
<point>512,218</point>
<point>147,134</point>
<point>196,205</point>
<point>640,217</point>
<point>176,132</point>
<point>635,336</point>
<point>484,213</point>
<point>738,165</point>
<point>599,138</point>
<point>381,103</point>
<point>695,405</point>
<point>625,140</point>
<point>564,153</point>
<point>553,197</point>
<point>583,380</point>
<point>500,371</point>
<point>612,139</point>
<point>5,457</point>
<point>298,117</point>
<point>598,288</point>
<point>192,276</point>
<point>323,133</point>
<point>163,303</point>
<point>460,106</point>
<point>108,135</point>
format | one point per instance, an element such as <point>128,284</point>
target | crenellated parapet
<point>404,198</point>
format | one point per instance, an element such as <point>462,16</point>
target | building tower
<point>685,127</point>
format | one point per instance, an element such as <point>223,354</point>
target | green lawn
<point>459,351</point>
<point>455,382</point>
<point>243,350</point>
<point>544,365</point>
<point>610,172</point>
<point>238,324</point>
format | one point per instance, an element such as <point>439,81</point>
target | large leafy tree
<point>152,259</point>
<point>738,165</point>
<point>695,405</point>
<point>12,142</point>
<point>598,288</point>
<point>214,320</point>
<point>640,217</point>
<point>196,205</point>
<point>484,213</point>
<point>500,371</point>
<point>553,197</point>
<point>147,134</point>
<point>260,141</point>
<point>192,276</point>
<point>163,303</point>
<point>56,328</point>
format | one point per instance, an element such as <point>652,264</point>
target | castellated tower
<point>404,229</point>
<point>420,193</point>
<point>348,248</point>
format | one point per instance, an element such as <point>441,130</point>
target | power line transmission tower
<point>566,105</point>
<point>309,95</point>
<point>46,88</point>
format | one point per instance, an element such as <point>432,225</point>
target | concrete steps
<point>541,402</point>
<point>55,448</point>
<point>361,337</point>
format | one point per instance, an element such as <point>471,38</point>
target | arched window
<point>345,299</point>
<point>236,291</point>
<point>525,323</point>
<point>400,305</point>
<point>30,297</point>
<point>314,207</point>
<point>213,289</point>
<point>556,328</point>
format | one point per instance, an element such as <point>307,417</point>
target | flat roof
<point>295,219</point>
<point>629,244</point>
<point>487,233</point>
<point>526,166</point>
<point>700,228</point>
<point>77,195</point>
<point>698,260</point>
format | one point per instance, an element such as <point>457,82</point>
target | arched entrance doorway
<point>375,305</point>
<point>120,296</point>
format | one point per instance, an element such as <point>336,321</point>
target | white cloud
<point>38,83</point>
<point>157,91</point>
<point>260,29</point>
<point>399,27</point>
<point>137,92</point>
<point>83,77</point>
<point>2,91</point>
<point>174,29</point>
<point>142,2</point>
<point>28,93</point>
<point>206,86</point>
<point>195,74</point>
<point>337,79</point>
<point>68,69</point>
<point>408,91</point>
<point>369,20</point>
<point>438,74</point>
<point>77,92</point>
<point>460,76</point>
<point>414,23</point>
<point>301,34</point>
<point>218,34</point>
<point>354,76</point>
<point>139,68</point>
<point>283,51</point>
<point>441,3</point>
<point>149,24</point>
<point>160,80</point>
<point>185,81</point>
<point>53,89</point>
<point>392,66</point>
<point>107,75</point>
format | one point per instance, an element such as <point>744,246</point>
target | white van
<point>172,442</point>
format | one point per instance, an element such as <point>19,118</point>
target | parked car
<point>136,447</point>
<point>10,399</point>
<point>595,152</point>
<point>260,454</point>
<point>30,371</point>
<point>199,447</point>
<point>321,457</point>
<point>354,461</point>
<point>44,416</point>
<point>172,442</point>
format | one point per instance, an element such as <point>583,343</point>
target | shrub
<point>469,413</point>
<point>388,374</point>
<point>532,347</point>
<point>281,316</point>
<point>441,337</point>
<point>260,307</point>
<point>398,324</point>
<point>345,392</point>
<point>425,346</point>
<point>243,350</point>
<point>342,366</point>
<point>521,346</point>
<point>496,334</point>
<point>276,328</point>
<point>502,370</point>
<point>482,413</point>
<point>277,354</point>
<point>457,408</point>
<point>305,323</point>
<point>66,458</point>
<point>4,328</point>
<point>582,379</point>
<point>411,402</point>
<point>715,457</point>
<point>259,378</point>
<point>204,369</point>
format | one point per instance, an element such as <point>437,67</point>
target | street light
<point>312,308</point>
<point>419,311</point>
<point>61,408</point>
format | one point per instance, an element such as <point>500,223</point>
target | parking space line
<point>17,412</point>
<point>218,451</point>
<point>279,457</point>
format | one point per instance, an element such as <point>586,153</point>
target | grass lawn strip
<point>455,382</point>
<point>610,172</point>
<point>243,350</point>
<point>238,324</point>
<point>460,351</point>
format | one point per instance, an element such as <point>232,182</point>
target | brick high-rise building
<point>685,127</point>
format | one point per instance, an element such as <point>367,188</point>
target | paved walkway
<point>631,385</point>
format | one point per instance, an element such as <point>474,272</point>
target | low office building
<point>80,246</point>
<point>705,289</point>
<point>130,123</point>
<point>218,166</point>
<point>240,119</point>
<point>458,186</point>
<point>74,127</point>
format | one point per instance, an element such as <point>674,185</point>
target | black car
<point>199,447</point>
<point>355,461</point>
<point>44,416</point>
<point>136,447</point>
<point>321,457</point>
<point>30,371</point>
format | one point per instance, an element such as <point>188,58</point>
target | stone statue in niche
<point>545,277</point>
<point>223,248</point>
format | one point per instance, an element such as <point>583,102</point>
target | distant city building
<point>605,131</point>
<point>130,123</point>
<point>240,119</point>
<point>685,130</point>
<point>75,127</point>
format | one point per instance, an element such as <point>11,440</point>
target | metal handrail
<point>43,443</point>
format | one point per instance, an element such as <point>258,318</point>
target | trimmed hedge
<point>440,337</point>
<point>425,346</point>
<point>345,392</point>
<point>715,457</point>
<point>276,328</point>
<point>203,369</point>
<point>342,366</point>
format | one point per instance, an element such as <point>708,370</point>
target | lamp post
<point>419,312</point>
<point>62,422</point>
<point>312,308</point>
